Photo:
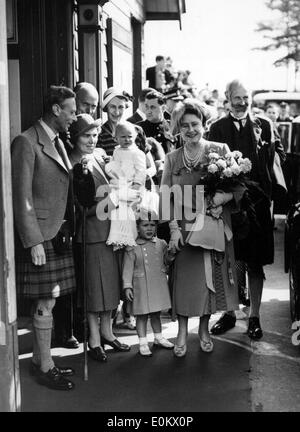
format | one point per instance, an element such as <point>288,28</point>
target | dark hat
<point>84,123</point>
<point>173,94</point>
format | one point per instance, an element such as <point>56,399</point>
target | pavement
<point>239,376</point>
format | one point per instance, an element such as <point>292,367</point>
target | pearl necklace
<point>191,161</point>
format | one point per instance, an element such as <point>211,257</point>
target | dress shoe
<point>206,346</point>
<point>54,380</point>
<point>69,343</point>
<point>254,329</point>
<point>97,354</point>
<point>115,344</point>
<point>163,343</point>
<point>34,370</point>
<point>144,350</point>
<point>180,350</point>
<point>226,322</point>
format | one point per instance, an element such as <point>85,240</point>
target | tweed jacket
<point>40,182</point>
<point>96,230</point>
<point>264,145</point>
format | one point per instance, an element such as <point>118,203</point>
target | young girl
<point>145,283</point>
<point>128,172</point>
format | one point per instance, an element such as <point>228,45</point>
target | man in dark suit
<point>139,115</point>
<point>43,207</point>
<point>255,139</point>
<point>158,76</point>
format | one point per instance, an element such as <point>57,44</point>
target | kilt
<point>54,279</point>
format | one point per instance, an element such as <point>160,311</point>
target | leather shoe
<point>115,344</point>
<point>69,343</point>
<point>97,354</point>
<point>254,329</point>
<point>54,380</point>
<point>226,322</point>
<point>34,370</point>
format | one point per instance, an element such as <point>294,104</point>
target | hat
<point>84,123</point>
<point>112,92</point>
<point>283,104</point>
<point>173,94</point>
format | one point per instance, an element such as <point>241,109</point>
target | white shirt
<point>236,120</point>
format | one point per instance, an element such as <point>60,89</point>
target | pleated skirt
<point>191,296</point>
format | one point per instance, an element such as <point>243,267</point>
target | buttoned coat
<point>40,182</point>
<point>144,270</point>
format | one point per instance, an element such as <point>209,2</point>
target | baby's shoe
<point>145,350</point>
<point>163,343</point>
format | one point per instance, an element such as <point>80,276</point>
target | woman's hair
<point>188,106</point>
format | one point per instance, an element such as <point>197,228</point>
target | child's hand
<point>129,294</point>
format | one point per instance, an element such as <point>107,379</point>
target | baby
<point>127,171</point>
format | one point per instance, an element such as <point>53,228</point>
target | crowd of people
<point>97,192</point>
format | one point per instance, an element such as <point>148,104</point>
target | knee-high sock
<point>43,332</point>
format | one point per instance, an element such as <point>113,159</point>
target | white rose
<point>221,163</point>
<point>212,168</point>
<point>227,172</point>
<point>236,170</point>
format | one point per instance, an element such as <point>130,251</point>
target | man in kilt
<point>44,221</point>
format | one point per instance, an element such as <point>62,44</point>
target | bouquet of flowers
<point>224,172</point>
<point>221,173</point>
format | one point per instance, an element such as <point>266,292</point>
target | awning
<point>165,10</point>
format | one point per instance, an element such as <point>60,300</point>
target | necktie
<point>69,214</point>
<point>240,122</point>
<point>59,150</point>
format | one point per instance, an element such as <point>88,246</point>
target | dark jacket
<point>256,247</point>
<point>263,141</point>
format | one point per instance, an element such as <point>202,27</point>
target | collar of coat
<point>141,241</point>
<point>49,149</point>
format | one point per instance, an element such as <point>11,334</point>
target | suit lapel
<point>48,147</point>
<point>255,132</point>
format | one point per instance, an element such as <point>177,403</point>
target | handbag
<point>62,242</point>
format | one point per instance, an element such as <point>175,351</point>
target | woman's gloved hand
<point>176,240</point>
<point>216,212</point>
<point>220,198</point>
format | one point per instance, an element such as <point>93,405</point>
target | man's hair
<point>57,95</point>
<point>231,86</point>
<point>272,106</point>
<point>156,95</point>
<point>84,85</point>
<point>159,58</point>
<point>144,92</point>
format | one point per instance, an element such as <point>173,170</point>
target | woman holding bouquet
<point>204,279</point>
